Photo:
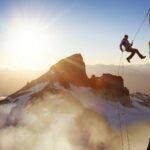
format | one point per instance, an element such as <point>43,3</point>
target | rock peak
<point>71,70</point>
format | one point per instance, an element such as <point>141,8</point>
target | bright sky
<point>39,33</point>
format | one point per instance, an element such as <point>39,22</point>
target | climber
<point>128,48</point>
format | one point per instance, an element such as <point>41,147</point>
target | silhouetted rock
<point>71,70</point>
<point>110,82</point>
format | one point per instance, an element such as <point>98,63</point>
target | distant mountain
<point>65,109</point>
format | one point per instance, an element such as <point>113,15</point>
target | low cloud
<point>57,121</point>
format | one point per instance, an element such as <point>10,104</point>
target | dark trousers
<point>133,52</point>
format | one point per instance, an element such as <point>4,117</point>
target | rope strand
<point>121,130</point>
<point>127,132</point>
<point>141,25</point>
<point>121,65</point>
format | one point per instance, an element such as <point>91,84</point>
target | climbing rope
<point>121,130</point>
<point>121,72</point>
<point>127,132</point>
<point>121,65</point>
<point>141,25</point>
<point>125,128</point>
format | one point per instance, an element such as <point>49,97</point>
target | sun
<point>28,41</point>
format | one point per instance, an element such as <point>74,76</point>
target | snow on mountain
<point>25,94</point>
<point>111,109</point>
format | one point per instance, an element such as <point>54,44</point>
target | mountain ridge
<point>136,77</point>
<point>58,111</point>
<point>71,70</point>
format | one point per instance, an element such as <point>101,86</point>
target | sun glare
<point>28,41</point>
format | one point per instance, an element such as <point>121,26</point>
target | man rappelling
<point>128,47</point>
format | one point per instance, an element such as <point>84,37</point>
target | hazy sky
<point>93,28</point>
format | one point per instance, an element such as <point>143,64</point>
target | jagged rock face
<point>110,82</point>
<point>71,70</point>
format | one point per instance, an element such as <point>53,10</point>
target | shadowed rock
<point>71,70</point>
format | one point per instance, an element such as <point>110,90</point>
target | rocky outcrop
<point>71,70</point>
<point>110,83</point>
